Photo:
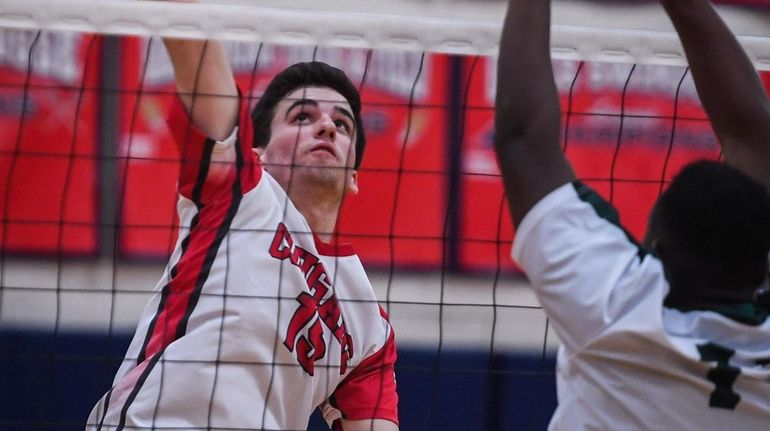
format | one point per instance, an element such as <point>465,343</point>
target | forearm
<point>526,90</point>
<point>205,83</point>
<point>527,112</point>
<point>725,78</point>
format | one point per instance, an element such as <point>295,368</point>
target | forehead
<point>319,94</point>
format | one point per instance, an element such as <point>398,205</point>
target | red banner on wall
<point>48,142</point>
<point>485,231</point>
<point>398,214</point>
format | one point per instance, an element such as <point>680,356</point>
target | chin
<point>327,177</point>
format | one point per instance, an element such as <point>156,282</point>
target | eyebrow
<point>312,102</point>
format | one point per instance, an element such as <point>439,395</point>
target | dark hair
<point>308,74</point>
<point>718,218</point>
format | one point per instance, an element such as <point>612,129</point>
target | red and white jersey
<point>256,322</point>
<point>627,362</point>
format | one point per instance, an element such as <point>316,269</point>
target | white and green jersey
<point>626,361</point>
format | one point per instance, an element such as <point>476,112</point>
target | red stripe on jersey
<point>369,391</point>
<point>384,314</point>
<point>191,144</point>
<point>190,274</point>
<point>217,200</point>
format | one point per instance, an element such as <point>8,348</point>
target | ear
<point>656,248</point>
<point>259,152</point>
<point>352,183</point>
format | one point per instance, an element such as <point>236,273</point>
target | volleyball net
<point>88,172</point>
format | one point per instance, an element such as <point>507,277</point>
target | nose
<point>326,127</point>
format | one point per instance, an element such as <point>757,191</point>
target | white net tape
<point>455,35</point>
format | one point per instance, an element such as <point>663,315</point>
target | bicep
<point>530,172</point>
<point>527,111</point>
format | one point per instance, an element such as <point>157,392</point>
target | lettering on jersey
<point>316,306</point>
<point>723,375</point>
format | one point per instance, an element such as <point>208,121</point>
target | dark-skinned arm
<point>727,84</point>
<point>527,112</point>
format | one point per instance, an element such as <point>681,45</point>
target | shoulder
<point>573,214</point>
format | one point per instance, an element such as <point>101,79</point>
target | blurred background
<point>87,202</point>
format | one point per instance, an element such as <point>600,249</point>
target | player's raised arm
<point>205,83</point>
<point>527,113</point>
<point>727,85</point>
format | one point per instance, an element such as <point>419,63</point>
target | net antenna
<point>572,39</point>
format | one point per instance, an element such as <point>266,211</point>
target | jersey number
<point>723,375</point>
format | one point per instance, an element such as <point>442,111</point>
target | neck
<point>707,297</point>
<point>320,207</point>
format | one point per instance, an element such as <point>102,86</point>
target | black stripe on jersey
<point>211,253</point>
<point>104,409</point>
<point>606,211</point>
<point>333,402</point>
<point>164,297</point>
<point>135,391</point>
<point>203,273</point>
<point>197,190</point>
<point>208,148</point>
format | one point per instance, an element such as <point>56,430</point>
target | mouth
<point>324,147</point>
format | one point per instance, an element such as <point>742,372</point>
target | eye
<point>302,116</point>
<point>344,125</point>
